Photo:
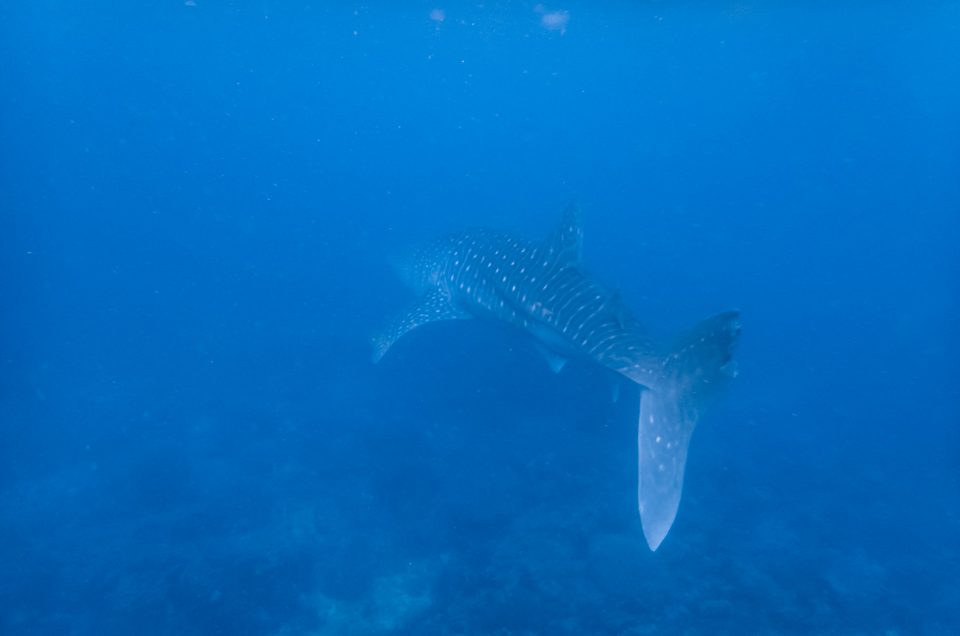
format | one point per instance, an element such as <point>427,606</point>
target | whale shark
<point>541,288</point>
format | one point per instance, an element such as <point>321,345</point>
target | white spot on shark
<point>563,307</point>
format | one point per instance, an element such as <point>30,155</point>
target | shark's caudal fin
<point>695,371</point>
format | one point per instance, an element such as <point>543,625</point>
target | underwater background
<point>199,203</point>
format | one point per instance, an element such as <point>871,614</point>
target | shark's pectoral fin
<point>431,307</point>
<point>555,361</point>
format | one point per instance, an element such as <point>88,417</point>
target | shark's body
<point>541,288</point>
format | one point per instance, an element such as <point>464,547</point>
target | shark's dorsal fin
<point>565,245</point>
<point>432,306</point>
<point>614,304</point>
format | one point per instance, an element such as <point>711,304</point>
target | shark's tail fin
<point>697,368</point>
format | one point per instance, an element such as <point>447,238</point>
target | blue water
<point>198,205</point>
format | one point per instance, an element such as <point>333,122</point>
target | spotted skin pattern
<point>537,287</point>
<point>541,288</point>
